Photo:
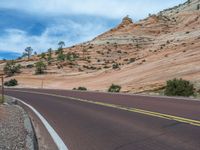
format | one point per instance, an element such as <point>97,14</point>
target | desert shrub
<point>43,56</point>
<point>114,88</point>
<point>12,82</point>
<point>132,60</point>
<point>115,66</point>
<point>71,56</point>
<point>40,67</point>
<point>11,68</point>
<point>81,89</point>
<point>106,67</point>
<point>61,57</point>
<point>90,47</point>
<point>59,51</point>
<point>179,87</point>
<point>119,51</point>
<point>143,60</point>
<point>30,66</point>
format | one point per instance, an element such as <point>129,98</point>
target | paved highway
<point>100,121</point>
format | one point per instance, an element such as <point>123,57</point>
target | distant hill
<point>8,55</point>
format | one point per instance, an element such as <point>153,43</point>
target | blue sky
<point>41,24</point>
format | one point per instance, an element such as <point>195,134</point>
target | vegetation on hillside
<point>114,88</point>
<point>11,68</point>
<point>49,55</point>
<point>80,89</point>
<point>28,52</point>
<point>179,87</point>
<point>12,82</point>
<point>40,67</point>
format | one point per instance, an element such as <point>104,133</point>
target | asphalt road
<point>92,126</point>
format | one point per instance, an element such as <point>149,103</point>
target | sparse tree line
<point>12,68</point>
<point>175,87</point>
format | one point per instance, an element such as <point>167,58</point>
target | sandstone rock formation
<point>149,52</point>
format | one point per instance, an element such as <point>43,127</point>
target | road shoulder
<point>16,130</point>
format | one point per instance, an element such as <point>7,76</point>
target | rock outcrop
<point>149,52</point>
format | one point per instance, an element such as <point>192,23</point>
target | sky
<point>41,24</point>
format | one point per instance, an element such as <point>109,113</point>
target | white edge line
<point>56,138</point>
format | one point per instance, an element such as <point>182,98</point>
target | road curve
<point>89,126</point>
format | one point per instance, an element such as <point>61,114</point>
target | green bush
<point>40,67</point>
<point>179,87</point>
<point>30,66</point>
<point>61,57</point>
<point>59,51</point>
<point>114,88</point>
<point>71,56</point>
<point>12,82</point>
<point>11,68</point>
<point>81,89</point>
<point>115,66</point>
<point>43,56</point>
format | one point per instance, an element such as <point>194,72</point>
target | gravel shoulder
<point>16,130</point>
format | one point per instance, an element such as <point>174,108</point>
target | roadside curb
<point>30,140</point>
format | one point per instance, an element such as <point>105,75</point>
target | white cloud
<point>68,31</point>
<point>107,8</point>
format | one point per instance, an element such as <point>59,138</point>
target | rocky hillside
<point>138,56</point>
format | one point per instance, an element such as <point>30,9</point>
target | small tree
<point>114,88</point>
<point>40,67</point>
<point>11,68</point>
<point>179,87</point>
<point>43,56</point>
<point>61,44</point>
<point>28,52</point>
<point>49,54</point>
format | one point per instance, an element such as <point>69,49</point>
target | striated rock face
<point>149,52</point>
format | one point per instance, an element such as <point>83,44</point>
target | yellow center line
<point>135,110</point>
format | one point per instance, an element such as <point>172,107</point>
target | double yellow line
<point>135,110</point>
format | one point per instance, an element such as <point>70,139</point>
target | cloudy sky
<point>41,24</point>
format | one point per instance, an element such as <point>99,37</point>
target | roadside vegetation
<point>179,87</point>
<point>40,68</point>
<point>80,88</point>
<point>1,101</point>
<point>11,68</point>
<point>114,88</point>
<point>12,82</point>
